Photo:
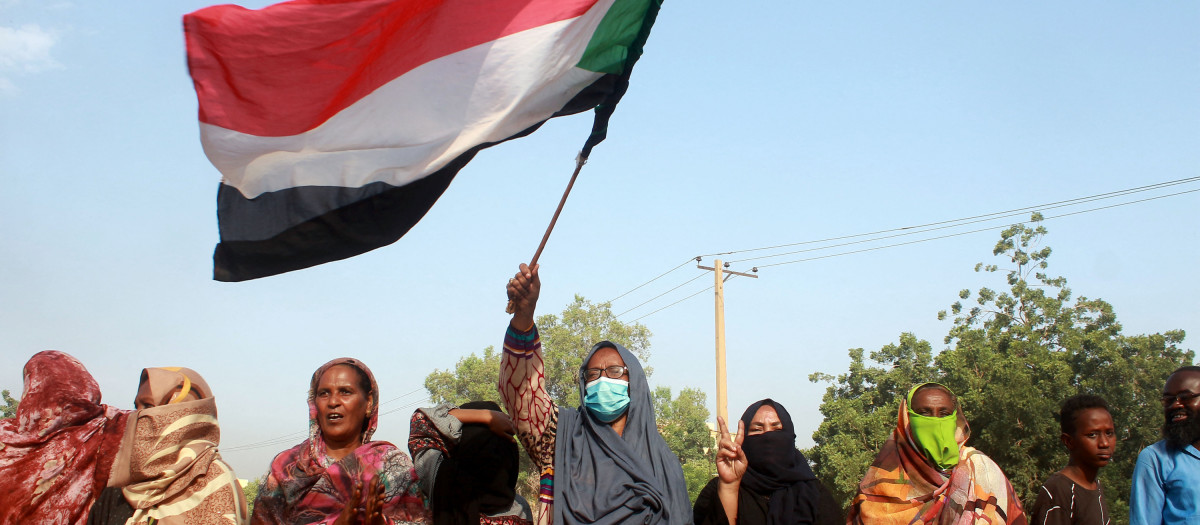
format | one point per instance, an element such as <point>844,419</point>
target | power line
<point>288,438</point>
<point>1056,204</point>
<point>409,393</point>
<point>957,234</point>
<point>914,232</point>
<point>635,288</point>
<point>662,294</point>
<point>710,287</point>
<point>975,231</point>
<point>418,402</point>
<point>280,440</point>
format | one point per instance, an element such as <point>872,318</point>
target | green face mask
<point>935,435</point>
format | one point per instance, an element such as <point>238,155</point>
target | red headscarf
<point>57,452</point>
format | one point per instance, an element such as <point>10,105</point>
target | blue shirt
<point>1166,486</point>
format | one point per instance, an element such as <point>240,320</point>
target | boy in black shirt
<point>1073,495</point>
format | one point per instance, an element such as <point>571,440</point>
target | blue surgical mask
<point>606,398</point>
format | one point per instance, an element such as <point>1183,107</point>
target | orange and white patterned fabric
<point>169,468</point>
<point>902,486</point>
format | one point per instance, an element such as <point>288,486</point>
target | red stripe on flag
<point>284,69</point>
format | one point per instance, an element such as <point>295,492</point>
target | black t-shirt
<point>1063,502</point>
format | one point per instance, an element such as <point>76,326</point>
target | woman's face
<point>933,402</point>
<point>342,406</point>
<point>766,419</point>
<point>606,357</point>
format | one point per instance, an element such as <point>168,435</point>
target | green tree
<point>250,490</point>
<point>682,421</point>
<point>473,379</point>
<point>9,408</point>
<point>859,411</point>
<point>1012,357</point>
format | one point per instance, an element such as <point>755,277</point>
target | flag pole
<point>580,160</point>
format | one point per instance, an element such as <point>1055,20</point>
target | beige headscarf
<point>168,467</point>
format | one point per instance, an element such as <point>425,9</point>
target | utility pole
<point>719,293</point>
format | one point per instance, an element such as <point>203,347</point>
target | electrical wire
<point>288,438</point>
<point>1055,204</point>
<point>661,294</point>
<point>710,287</point>
<point>913,232</point>
<point>956,234</point>
<point>635,288</point>
<point>992,228</point>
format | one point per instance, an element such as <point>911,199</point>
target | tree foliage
<point>473,379</point>
<point>250,490</point>
<point>9,408</point>
<point>682,421</point>
<point>860,411</point>
<point>566,340</point>
<point>1012,357</point>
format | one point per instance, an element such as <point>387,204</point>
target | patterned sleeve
<point>402,497</point>
<point>270,503</point>
<point>523,388</point>
<point>432,433</point>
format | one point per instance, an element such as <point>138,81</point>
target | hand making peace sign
<point>731,459</point>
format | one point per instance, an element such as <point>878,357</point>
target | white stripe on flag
<point>419,122</point>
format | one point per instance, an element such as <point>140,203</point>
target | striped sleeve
<point>523,389</point>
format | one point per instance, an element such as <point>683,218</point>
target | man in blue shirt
<point>1166,480</point>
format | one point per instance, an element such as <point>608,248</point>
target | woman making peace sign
<point>761,477</point>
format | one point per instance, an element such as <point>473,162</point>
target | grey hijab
<point>604,478</point>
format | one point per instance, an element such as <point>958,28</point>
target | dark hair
<point>1073,406</point>
<point>1187,368</point>
<point>481,405</point>
<point>926,386</point>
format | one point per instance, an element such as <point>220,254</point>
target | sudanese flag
<point>337,124</point>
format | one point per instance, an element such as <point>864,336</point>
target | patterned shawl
<point>169,467</point>
<point>903,487</point>
<point>305,485</point>
<point>56,453</point>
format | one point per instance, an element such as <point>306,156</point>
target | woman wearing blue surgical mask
<point>604,462</point>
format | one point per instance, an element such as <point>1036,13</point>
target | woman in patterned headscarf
<point>925,473</point>
<point>338,475</point>
<point>56,452</point>
<point>168,470</point>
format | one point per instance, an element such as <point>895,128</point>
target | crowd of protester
<point>65,458</point>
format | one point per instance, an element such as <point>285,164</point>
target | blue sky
<point>743,128</point>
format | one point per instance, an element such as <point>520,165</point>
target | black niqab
<point>778,470</point>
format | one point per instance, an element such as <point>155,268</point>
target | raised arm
<point>522,371</point>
